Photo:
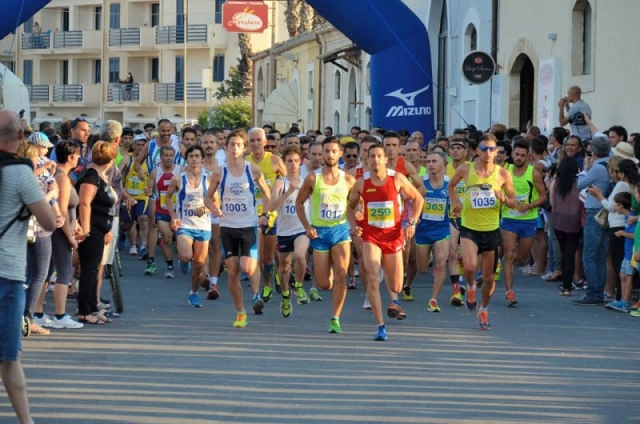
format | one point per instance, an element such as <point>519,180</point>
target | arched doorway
<point>522,90</point>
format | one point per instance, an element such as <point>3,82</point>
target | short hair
<point>538,145</point>
<point>64,149</point>
<point>357,128</point>
<point>168,148</point>
<point>305,140</point>
<point>110,130</point>
<point>292,150</point>
<point>601,146</point>
<point>522,144</point>
<point>623,198</point>
<point>11,128</point>
<point>189,130</point>
<point>103,152</point>
<point>442,138</point>
<point>193,148</point>
<point>621,131</point>
<point>256,130</point>
<point>377,146</point>
<point>238,133</point>
<point>163,121</point>
<point>127,131</point>
<point>534,131</point>
<point>510,133</point>
<point>391,134</point>
<point>75,122</point>
<point>461,131</point>
<point>352,145</point>
<point>369,139</point>
<point>27,150</point>
<point>442,155</point>
<point>487,137</point>
<point>559,134</point>
<point>332,139</point>
<point>150,126</point>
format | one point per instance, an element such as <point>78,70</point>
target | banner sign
<point>478,67</point>
<point>245,16</point>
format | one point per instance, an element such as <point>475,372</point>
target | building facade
<point>177,52</point>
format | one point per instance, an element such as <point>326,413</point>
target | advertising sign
<point>245,16</point>
<point>478,67</point>
<point>549,91</point>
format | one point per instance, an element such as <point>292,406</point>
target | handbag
<point>602,218</point>
<point>32,229</point>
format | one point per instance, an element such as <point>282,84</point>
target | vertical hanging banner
<point>245,16</point>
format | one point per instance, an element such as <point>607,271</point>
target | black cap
<point>147,126</point>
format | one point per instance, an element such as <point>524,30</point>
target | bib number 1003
<point>235,207</point>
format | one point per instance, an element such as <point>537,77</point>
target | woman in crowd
<point>63,239</point>
<point>566,210</point>
<point>96,210</point>
<point>624,173</point>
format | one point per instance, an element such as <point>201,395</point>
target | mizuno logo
<point>408,98</point>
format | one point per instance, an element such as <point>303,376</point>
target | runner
<point>292,240</point>
<point>271,167</point>
<point>480,229</point>
<point>518,226</point>
<point>159,182</point>
<point>433,234</point>
<point>236,206</point>
<point>329,232</point>
<point>190,219</point>
<point>210,146</point>
<point>380,227</point>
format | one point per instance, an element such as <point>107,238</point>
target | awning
<point>283,105</point>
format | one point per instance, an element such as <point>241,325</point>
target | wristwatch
<point>412,222</point>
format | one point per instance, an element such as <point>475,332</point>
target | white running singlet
<point>237,195</point>
<point>189,200</point>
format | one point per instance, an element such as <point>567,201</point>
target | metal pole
<point>104,61</point>
<point>184,70</point>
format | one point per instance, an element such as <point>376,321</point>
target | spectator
<point>128,82</point>
<point>623,207</point>
<point>576,108</point>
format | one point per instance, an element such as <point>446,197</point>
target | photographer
<point>576,108</point>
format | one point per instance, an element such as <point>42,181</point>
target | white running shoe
<point>45,321</point>
<point>133,251</point>
<point>66,322</point>
<point>366,305</point>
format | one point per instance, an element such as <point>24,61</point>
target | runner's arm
<point>461,172</point>
<point>258,177</point>
<point>410,192</point>
<point>277,197</point>
<point>509,193</point>
<point>542,193</point>
<point>278,166</point>
<point>212,200</point>
<point>174,187</point>
<point>303,195</point>
<point>352,204</point>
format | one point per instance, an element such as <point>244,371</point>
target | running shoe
<point>580,284</point>
<point>352,283</point>
<point>44,321</point>
<point>483,320</point>
<point>194,301</point>
<point>144,252</point>
<point>395,311</point>
<point>470,300</point>
<point>573,286</point>
<point>301,295</point>
<point>307,274</point>
<point>511,298</point>
<point>433,306</point>
<point>66,322</point>
<point>213,292</point>
<point>619,305</point>
<point>366,305</point>
<point>169,272</point>
<point>381,333</point>
<point>133,250</point>
<point>498,270</point>
<point>276,278</point>
<point>407,296</point>
<point>334,326</point>
<point>258,305</point>
<point>565,292</point>
<point>314,295</point>
<point>150,269</point>
<point>457,299</point>
<point>635,313</point>
<point>266,294</point>
<point>285,306</point>
<point>636,305</point>
<point>241,320</point>
<point>185,268</point>
<point>205,283</point>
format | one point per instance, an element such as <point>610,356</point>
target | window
<point>28,25</point>
<point>114,15</point>
<point>65,72</point>
<point>180,12</point>
<point>218,14</point>
<point>218,68</point>
<point>114,69</point>
<point>155,69</point>
<point>97,16</point>
<point>97,71</point>
<point>27,72</point>
<point>336,122</point>
<point>337,81</point>
<point>471,39</point>
<point>180,78</point>
<point>310,85</point>
<point>582,43</point>
<point>65,19</point>
<point>155,14</point>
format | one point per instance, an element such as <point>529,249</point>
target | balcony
<point>67,39</point>
<point>36,41</point>
<point>67,93</point>
<point>38,93</point>
<point>119,93</point>
<point>176,34</point>
<point>124,37</point>
<point>174,92</point>
<point>86,41</point>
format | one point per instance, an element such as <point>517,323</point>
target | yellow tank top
<point>132,184</point>
<point>526,193</point>
<point>460,187</point>
<point>481,207</point>
<point>266,166</point>
<point>329,202</point>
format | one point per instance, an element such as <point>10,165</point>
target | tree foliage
<point>228,113</point>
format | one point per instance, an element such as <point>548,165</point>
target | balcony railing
<point>174,92</point>
<point>36,41</point>
<point>123,92</point>
<point>67,39</point>
<point>124,37</point>
<point>176,34</point>
<point>38,93</point>
<point>68,93</point>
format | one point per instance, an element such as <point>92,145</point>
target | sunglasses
<point>75,122</point>
<point>485,149</point>
<point>351,156</point>
<point>501,152</point>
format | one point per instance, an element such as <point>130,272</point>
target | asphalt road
<point>545,360</point>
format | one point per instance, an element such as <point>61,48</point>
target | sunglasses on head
<point>485,149</point>
<point>76,121</point>
<point>351,156</point>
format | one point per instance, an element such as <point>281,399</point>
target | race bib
<point>433,209</point>
<point>380,214</point>
<point>234,205</point>
<point>482,199</point>
<point>520,200</point>
<point>332,211</point>
<point>163,199</point>
<point>461,187</point>
<point>290,207</point>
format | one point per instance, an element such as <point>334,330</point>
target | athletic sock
<point>213,280</point>
<point>397,302</point>
<point>170,263</point>
<point>60,316</point>
<point>38,315</point>
<point>454,279</point>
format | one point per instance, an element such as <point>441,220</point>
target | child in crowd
<point>623,206</point>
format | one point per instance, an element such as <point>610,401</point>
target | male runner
<point>292,240</point>
<point>518,226</point>
<point>190,219</point>
<point>238,181</point>
<point>381,227</point>
<point>159,182</point>
<point>480,229</point>
<point>210,146</point>
<point>329,232</point>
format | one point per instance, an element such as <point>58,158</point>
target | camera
<point>578,119</point>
